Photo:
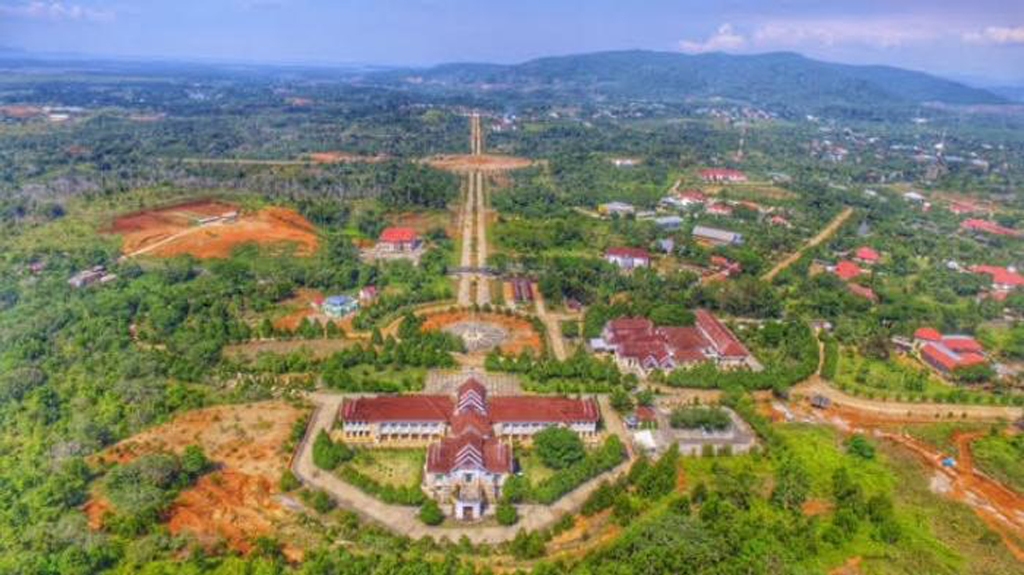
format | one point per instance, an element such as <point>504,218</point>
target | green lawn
<point>898,378</point>
<point>394,467</point>
<point>1001,457</point>
<point>532,467</point>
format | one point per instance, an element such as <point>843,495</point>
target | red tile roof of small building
<point>721,173</point>
<point>988,227</point>
<point>398,235</point>
<point>927,334</point>
<point>867,254</point>
<point>634,253</point>
<point>646,413</point>
<point>847,270</point>
<point>1000,275</point>
<point>862,291</point>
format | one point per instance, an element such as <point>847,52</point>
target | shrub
<point>559,447</point>
<point>327,454</point>
<point>430,513</point>
<point>706,418</point>
<point>410,495</point>
<point>321,501</point>
<point>288,481</point>
<point>859,446</point>
<point>506,513</point>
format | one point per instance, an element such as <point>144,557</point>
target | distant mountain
<point>780,78</point>
<point>1013,93</point>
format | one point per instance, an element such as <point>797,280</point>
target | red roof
<point>862,291</point>
<point>988,227</point>
<point>927,334</point>
<point>867,254</point>
<point>962,344</point>
<point>948,360</point>
<point>847,270</point>
<point>634,253</point>
<point>398,235</point>
<point>419,408</point>
<point>646,413</point>
<point>1001,276</point>
<point>723,339</point>
<point>721,209</point>
<point>543,409</point>
<point>469,451</point>
<point>714,174</point>
<point>693,196</point>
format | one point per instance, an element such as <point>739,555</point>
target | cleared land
<point>478,163</point>
<point>521,333</point>
<point>236,502</point>
<point>179,229</point>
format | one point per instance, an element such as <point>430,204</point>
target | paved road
<point>483,290</point>
<point>405,520</point>
<point>465,297</point>
<point>823,235</point>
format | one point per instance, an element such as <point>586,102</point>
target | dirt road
<point>826,232</point>
<point>552,323</point>
<point>904,412</point>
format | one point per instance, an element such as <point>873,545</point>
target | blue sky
<point>978,39</point>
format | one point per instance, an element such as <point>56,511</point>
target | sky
<point>981,41</point>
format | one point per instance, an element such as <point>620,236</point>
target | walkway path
<point>551,322</point>
<point>405,520</point>
<point>826,232</point>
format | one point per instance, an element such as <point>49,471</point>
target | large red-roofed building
<point>640,347</point>
<point>948,353</point>
<point>1003,279</point>
<point>469,456</point>
<point>722,175</point>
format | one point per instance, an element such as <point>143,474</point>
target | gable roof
<point>847,270</point>
<point>721,338</point>
<point>546,409</point>
<point>469,451</point>
<point>927,334</point>
<point>867,254</point>
<point>1000,275</point>
<point>424,408</point>
<point>634,253</point>
<point>396,235</point>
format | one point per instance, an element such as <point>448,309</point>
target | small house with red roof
<point>862,292</point>
<point>399,239</point>
<point>987,227</point>
<point>628,258</point>
<point>719,209</point>
<point>847,270</point>
<point>866,255</point>
<point>1003,279</point>
<point>722,176</point>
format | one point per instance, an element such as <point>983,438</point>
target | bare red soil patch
<point>234,503</point>
<point>21,112</point>
<point>815,507</point>
<point>187,229</point>
<point>300,306</point>
<point>521,333</point>
<point>482,163</point>
<point>345,158</point>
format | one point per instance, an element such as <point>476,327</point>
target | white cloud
<point>876,33</point>
<point>810,33</point>
<point>54,12</point>
<point>725,39</point>
<point>999,35</point>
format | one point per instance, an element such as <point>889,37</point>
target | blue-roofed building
<point>339,305</point>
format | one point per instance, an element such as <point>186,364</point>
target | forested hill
<point>776,78</point>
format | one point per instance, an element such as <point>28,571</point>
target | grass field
<point>1001,457</point>
<point>394,467</point>
<point>899,377</point>
<point>532,467</point>
<point>938,536</point>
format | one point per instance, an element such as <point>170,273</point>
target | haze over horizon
<point>980,41</point>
